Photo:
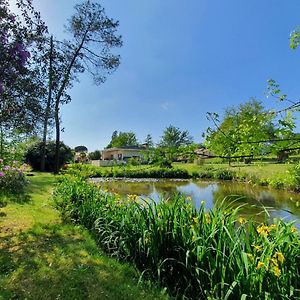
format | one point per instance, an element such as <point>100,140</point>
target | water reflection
<point>253,201</point>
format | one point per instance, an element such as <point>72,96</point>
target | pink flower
<point>1,160</point>
<point>6,168</point>
<point>1,174</point>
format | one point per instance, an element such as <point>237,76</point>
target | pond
<point>256,202</point>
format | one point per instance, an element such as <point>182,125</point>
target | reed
<point>194,253</point>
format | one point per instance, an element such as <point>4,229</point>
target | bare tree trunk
<point>58,99</point>
<point>47,111</point>
<point>57,129</point>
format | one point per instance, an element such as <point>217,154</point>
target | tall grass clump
<point>194,253</point>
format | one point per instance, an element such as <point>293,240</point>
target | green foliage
<point>12,179</point>
<point>149,141</point>
<point>295,38</point>
<point>219,173</point>
<point>88,171</point>
<point>240,131</point>
<point>173,137</point>
<point>42,258</point>
<point>134,161</point>
<point>33,156</point>
<point>122,139</point>
<point>14,145</point>
<point>81,149</point>
<point>95,155</point>
<point>196,254</point>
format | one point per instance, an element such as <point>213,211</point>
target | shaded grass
<point>63,262</point>
<point>41,258</point>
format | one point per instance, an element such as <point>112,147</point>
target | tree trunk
<point>47,111</point>
<point>58,99</point>
<point>57,141</point>
<point>1,143</point>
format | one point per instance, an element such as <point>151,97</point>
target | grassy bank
<point>196,254</point>
<point>42,258</point>
<point>280,176</point>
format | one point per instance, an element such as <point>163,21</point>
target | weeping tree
<point>93,35</point>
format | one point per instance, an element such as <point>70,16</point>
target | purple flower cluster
<point>12,178</point>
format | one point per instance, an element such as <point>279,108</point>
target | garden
<point>216,219</point>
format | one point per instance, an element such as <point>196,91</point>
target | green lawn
<point>41,258</point>
<point>261,169</point>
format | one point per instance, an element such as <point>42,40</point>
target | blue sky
<point>180,59</point>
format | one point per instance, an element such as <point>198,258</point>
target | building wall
<point>121,154</point>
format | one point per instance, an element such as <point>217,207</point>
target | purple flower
<point>1,160</point>
<point>1,174</point>
<point>6,168</point>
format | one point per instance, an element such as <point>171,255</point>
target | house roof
<point>125,148</point>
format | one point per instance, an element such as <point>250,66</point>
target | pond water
<point>256,202</point>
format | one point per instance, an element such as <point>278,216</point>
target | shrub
<point>12,178</point>
<point>34,153</point>
<point>223,174</point>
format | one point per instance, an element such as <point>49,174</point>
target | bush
<point>12,178</point>
<point>34,153</point>
<point>88,171</point>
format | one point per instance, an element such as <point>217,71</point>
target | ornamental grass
<point>196,254</point>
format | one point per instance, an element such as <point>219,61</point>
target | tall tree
<point>149,141</point>
<point>123,139</point>
<point>89,49</point>
<point>250,130</point>
<point>21,91</point>
<point>173,137</point>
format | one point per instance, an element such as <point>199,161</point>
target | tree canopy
<point>122,139</point>
<point>249,130</point>
<point>173,137</point>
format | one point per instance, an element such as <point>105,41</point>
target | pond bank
<point>258,201</point>
<point>196,254</point>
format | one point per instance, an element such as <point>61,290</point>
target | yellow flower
<point>260,265</point>
<point>194,238</point>
<point>107,205</point>
<point>242,220</point>
<point>293,229</point>
<point>279,256</point>
<point>189,198</point>
<point>276,271</point>
<point>196,220</point>
<point>207,218</point>
<point>274,262</point>
<point>202,202</point>
<point>257,248</point>
<point>273,226</point>
<point>263,230</point>
<point>250,256</point>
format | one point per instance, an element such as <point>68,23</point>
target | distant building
<point>123,153</point>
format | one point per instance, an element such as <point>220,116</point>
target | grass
<point>42,258</point>
<point>196,254</point>
<point>261,170</point>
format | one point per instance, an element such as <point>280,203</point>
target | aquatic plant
<point>197,254</point>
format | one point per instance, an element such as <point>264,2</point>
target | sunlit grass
<point>42,258</point>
